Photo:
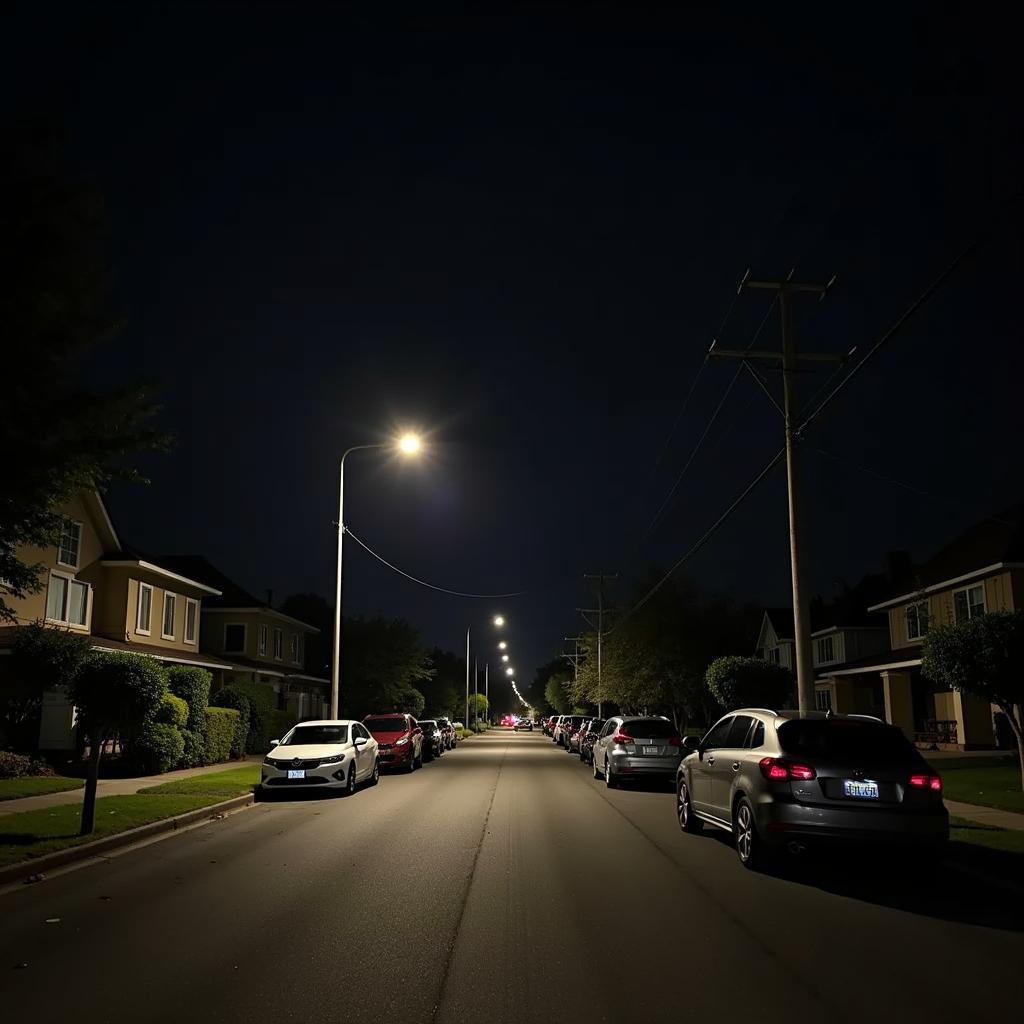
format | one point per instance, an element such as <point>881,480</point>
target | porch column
<point>842,695</point>
<point>899,704</point>
<point>973,721</point>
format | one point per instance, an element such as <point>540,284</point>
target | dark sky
<point>520,234</point>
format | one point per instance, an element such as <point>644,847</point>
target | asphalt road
<point>482,888</point>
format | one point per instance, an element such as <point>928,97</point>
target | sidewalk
<point>986,815</point>
<point>121,787</point>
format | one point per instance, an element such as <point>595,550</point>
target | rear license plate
<point>860,790</point>
<point>652,750</point>
<point>296,773</point>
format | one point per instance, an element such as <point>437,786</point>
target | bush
<point>262,704</point>
<point>18,766</point>
<point>737,682</point>
<point>194,749</point>
<point>193,686</point>
<point>156,748</point>
<point>173,711</point>
<point>231,698</point>
<point>221,727</point>
<point>118,694</point>
<point>278,722</point>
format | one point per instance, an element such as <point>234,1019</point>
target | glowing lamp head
<point>499,620</point>
<point>408,444</point>
<point>510,671</point>
<point>504,657</point>
<point>502,645</point>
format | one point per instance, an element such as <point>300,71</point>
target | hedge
<point>157,748</point>
<point>262,704</point>
<point>221,725</point>
<point>193,686</point>
<point>279,723</point>
<point>231,698</point>
<point>173,711</point>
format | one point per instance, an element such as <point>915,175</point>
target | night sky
<point>520,234</point>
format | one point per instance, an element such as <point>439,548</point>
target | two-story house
<point>775,641</point>
<point>119,598</point>
<point>262,644</point>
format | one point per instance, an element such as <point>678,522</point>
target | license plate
<point>296,773</point>
<point>860,790</point>
<point>652,750</point>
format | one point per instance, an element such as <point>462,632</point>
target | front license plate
<point>296,773</point>
<point>860,790</point>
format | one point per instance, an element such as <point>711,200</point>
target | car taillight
<point>932,782</point>
<point>779,771</point>
<point>674,741</point>
<point>622,737</point>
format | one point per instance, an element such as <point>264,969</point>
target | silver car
<point>636,747</point>
<point>788,778</point>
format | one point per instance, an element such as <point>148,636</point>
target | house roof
<point>782,622</point>
<point>134,557</point>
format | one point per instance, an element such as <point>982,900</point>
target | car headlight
<point>336,759</point>
<point>402,741</point>
<point>270,762</point>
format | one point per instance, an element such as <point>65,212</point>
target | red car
<point>399,740</point>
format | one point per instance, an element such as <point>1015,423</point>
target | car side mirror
<point>274,743</point>
<point>360,741</point>
<point>690,744</point>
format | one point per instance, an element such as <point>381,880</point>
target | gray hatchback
<point>779,778</point>
<point>633,747</point>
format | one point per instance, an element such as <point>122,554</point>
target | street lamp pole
<point>468,628</point>
<point>487,689</point>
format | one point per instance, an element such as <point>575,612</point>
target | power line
<point>423,583</point>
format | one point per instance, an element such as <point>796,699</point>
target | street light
<point>504,657</point>
<point>408,444</point>
<point>502,645</point>
<point>510,671</point>
<point>499,621</point>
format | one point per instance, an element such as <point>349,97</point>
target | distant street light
<point>408,444</point>
<point>502,645</point>
<point>499,620</point>
<point>504,657</point>
<point>510,671</point>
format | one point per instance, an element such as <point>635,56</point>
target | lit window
<point>170,603</point>
<point>263,641</point>
<point>191,619</point>
<point>278,644</point>
<point>70,542</point>
<point>67,601</point>
<point>968,603</point>
<point>145,609</point>
<point>917,620</point>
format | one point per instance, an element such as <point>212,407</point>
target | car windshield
<point>310,735</point>
<point>650,728</point>
<point>842,738</point>
<point>376,725</point>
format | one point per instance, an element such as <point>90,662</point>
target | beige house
<point>123,601</point>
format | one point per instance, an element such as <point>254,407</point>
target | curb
<point>36,866</point>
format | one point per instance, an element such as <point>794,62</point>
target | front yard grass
<point>991,782</point>
<point>226,784</point>
<point>36,785</point>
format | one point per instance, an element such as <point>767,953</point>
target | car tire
<point>593,764</point>
<point>350,782</point>
<point>748,843</point>
<point>375,776</point>
<point>418,761</point>
<point>688,821</point>
<point>411,764</point>
<point>610,782</point>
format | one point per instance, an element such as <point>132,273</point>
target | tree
<point>478,706</point>
<point>556,695</point>
<point>41,659</point>
<point>749,682</point>
<point>983,655</point>
<point>444,691</point>
<point>115,694</point>
<point>58,436</point>
<point>382,664</point>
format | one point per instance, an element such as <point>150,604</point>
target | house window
<point>170,603</point>
<point>191,618</point>
<point>144,612</point>
<point>826,650</point>
<point>773,655</point>
<point>823,700</point>
<point>234,638</point>
<point>968,603</point>
<point>279,644</point>
<point>70,542</point>
<point>917,620</point>
<point>293,647</point>
<point>263,641</point>
<point>67,601</point>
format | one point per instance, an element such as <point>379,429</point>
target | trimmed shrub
<point>17,766</point>
<point>221,726</point>
<point>279,722</point>
<point>737,682</point>
<point>193,686</point>
<point>173,711</point>
<point>157,748</point>
<point>194,751</point>
<point>231,698</point>
<point>262,704</point>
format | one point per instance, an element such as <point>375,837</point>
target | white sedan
<point>333,754</point>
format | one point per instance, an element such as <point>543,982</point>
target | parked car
<point>792,778</point>
<point>524,725</point>
<point>448,732</point>
<point>562,730</point>
<point>588,735</point>
<point>634,747</point>
<point>400,740</point>
<point>554,727</point>
<point>333,754</point>
<point>433,740</point>
<point>573,734</point>
<point>547,725</point>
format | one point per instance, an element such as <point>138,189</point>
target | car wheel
<point>350,782</point>
<point>411,764</point>
<point>688,821</point>
<point>593,764</point>
<point>375,777</point>
<point>610,781</point>
<point>748,842</point>
<point>419,760</point>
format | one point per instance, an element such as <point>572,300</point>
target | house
<point>775,641</point>
<point>118,597</point>
<point>262,644</point>
<point>981,570</point>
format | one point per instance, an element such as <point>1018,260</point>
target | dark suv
<point>433,738</point>
<point>782,778</point>
<point>399,740</point>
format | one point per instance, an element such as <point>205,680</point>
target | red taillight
<point>779,771</point>
<point>675,741</point>
<point>932,782</point>
<point>801,772</point>
<point>623,737</point>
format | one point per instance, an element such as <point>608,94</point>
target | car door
<point>603,744</point>
<point>726,764</point>
<point>704,764</point>
<point>365,753</point>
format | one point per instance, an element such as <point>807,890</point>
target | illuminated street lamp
<point>510,671</point>
<point>498,621</point>
<point>408,445</point>
<point>502,645</point>
<point>504,657</point>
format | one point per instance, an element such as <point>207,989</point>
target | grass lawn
<point>30,834</point>
<point>226,784</point>
<point>36,785</point>
<point>963,831</point>
<point>991,782</point>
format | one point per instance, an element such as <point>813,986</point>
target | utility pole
<point>790,359</point>
<point>487,689</point>
<point>476,691</point>
<point>599,611</point>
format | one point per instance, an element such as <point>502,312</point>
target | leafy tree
<point>478,706</point>
<point>58,436</point>
<point>41,659</point>
<point>556,694</point>
<point>116,694</point>
<point>744,682</point>
<point>984,656</point>
<point>445,691</point>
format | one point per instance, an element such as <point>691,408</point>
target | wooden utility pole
<point>790,359</point>
<point>599,612</point>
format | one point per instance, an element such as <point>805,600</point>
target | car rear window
<point>650,728</point>
<point>386,725</point>
<point>842,738</point>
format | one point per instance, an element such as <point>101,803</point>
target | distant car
<point>334,754</point>
<point>635,747</point>
<point>547,724</point>
<point>790,778</point>
<point>400,740</point>
<point>588,736</point>
<point>565,727</point>
<point>448,732</point>
<point>523,725</point>
<point>433,739</point>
